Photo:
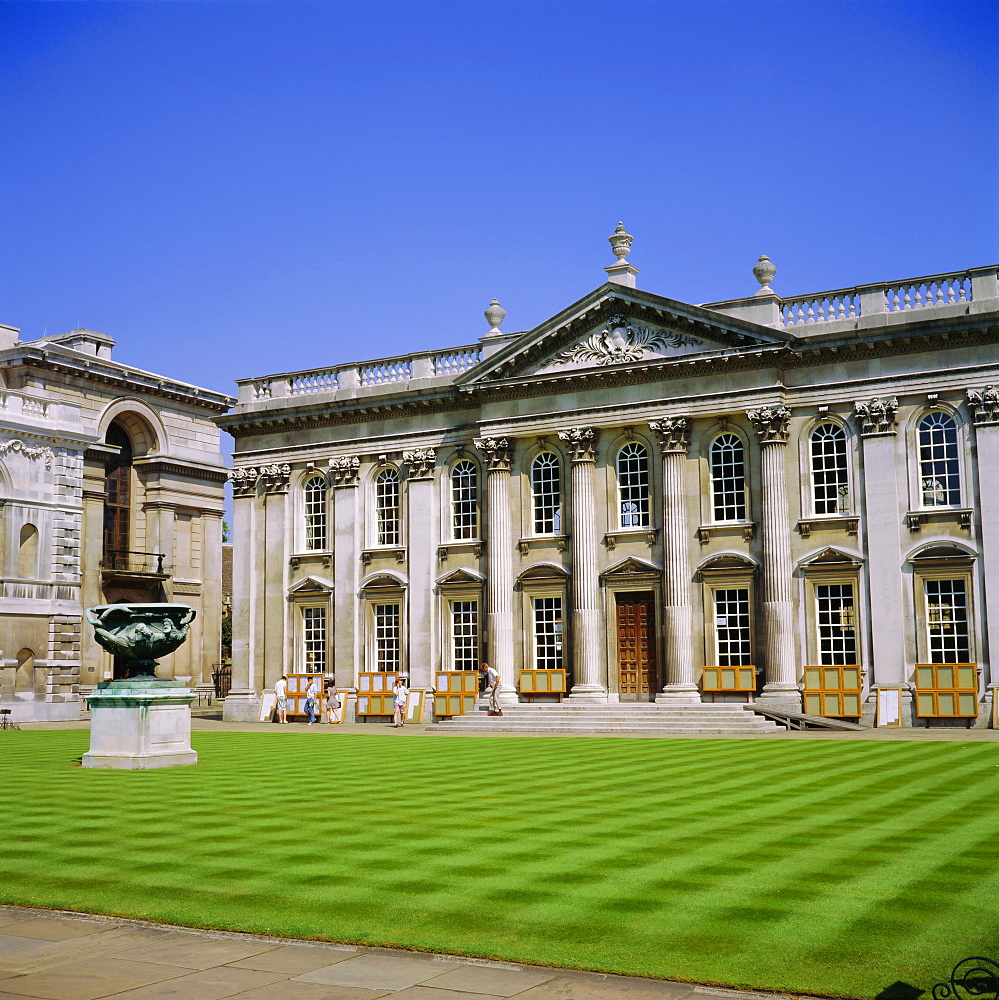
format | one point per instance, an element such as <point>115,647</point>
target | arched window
<point>315,513</point>
<point>830,485</point>
<point>727,461</point>
<point>464,500</point>
<point>27,553</point>
<point>546,487</point>
<point>633,485</point>
<point>387,506</point>
<point>118,500</point>
<point>939,475</point>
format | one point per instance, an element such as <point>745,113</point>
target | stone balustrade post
<point>586,645</point>
<point>673,434</point>
<point>499,561</point>
<point>772,424</point>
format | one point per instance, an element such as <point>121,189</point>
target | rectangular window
<point>947,621</point>
<point>465,634</point>
<point>835,617</point>
<point>547,633</point>
<point>314,630</point>
<point>464,500</point>
<point>733,645</point>
<point>387,637</point>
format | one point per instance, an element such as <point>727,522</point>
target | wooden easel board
<point>267,706</point>
<point>415,705</point>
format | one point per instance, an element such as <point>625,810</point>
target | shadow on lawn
<point>975,977</point>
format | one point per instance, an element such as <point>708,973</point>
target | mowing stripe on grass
<point>831,867</point>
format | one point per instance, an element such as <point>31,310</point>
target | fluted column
<point>771,424</point>
<point>586,644</point>
<point>499,560</point>
<point>673,434</point>
<point>344,479</point>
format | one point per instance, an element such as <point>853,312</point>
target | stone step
<point>691,730</point>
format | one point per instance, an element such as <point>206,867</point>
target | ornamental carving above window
<point>620,342</point>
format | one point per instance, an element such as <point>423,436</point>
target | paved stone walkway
<point>52,955</point>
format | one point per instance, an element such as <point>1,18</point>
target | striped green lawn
<point>830,867</point>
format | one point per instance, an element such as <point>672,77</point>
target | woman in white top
<point>399,701</point>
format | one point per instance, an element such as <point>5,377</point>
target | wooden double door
<point>637,663</point>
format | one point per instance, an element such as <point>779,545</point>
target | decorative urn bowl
<point>139,633</point>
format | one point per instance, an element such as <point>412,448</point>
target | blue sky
<point>235,189</point>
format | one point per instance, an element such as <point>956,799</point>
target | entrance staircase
<point>626,719</point>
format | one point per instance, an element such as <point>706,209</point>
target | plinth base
<point>140,723</point>
<point>679,694</point>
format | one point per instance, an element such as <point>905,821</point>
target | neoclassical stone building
<point>111,488</point>
<point>648,494</point>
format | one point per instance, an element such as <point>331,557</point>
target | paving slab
<point>432,993</point>
<point>293,990</point>
<point>377,972</point>
<point>494,981</point>
<point>206,984</point>
<point>294,959</point>
<point>60,929</point>
<point>194,952</point>
<point>592,986</point>
<point>88,980</point>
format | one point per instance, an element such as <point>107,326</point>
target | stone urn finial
<point>621,242</point>
<point>495,315</point>
<point>765,272</point>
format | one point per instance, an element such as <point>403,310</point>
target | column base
<point>781,696</point>
<point>587,694</point>
<point>679,694</point>
<point>241,705</point>
<point>507,695</point>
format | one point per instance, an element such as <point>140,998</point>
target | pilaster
<point>586,645</point>
<point>673,434</point>
<point>772,425</point>
<point>497,452</point>
<point>347,527</point>
<point>422,531</point>
<point>878,428</point>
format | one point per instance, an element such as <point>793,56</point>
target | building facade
<point>111,489</point>
<point>645,493</point>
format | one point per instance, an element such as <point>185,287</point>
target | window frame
<point>383,538</point>
<point>475,502</point>
<point>557,508</point>
<point>845,501</point>
<point>714,481</point>
<point>620,489</point>
<point>306,665</point>
<point>919,463</point>
<point>322,513</point>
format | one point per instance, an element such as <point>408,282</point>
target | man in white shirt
<point>312,700</point>
<point>492,686</point>
<point>281,690</point>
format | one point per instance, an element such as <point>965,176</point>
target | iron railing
<point>129,561</point>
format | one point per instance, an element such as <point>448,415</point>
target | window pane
<point>830,487</point>
<point>315,513</point>
<point>947,621</point>
<point>314,628</point>
<point>465,634</point>
<point>728,478</point>
<point>836,623</point>
<point>464,500</point>
<point>732,637</point>
<point>387,506</point>
<point>938,465</point>
<point>547,633</point>
<point>387,637</point>
<point>547,489</point>
<point>633,485</point>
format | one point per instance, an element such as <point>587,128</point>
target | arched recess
<point>145,428</point>
<point>24,676</point>
<point>27,553</point>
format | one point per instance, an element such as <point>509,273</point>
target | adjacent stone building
<point>647,494</point>
<point>111,489</point>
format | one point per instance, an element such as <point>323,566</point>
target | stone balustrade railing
<point>889,297</point>
<point>443,365</point>
<point>13,403</point>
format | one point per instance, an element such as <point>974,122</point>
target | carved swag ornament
<point>27,451</point>
<point>622,341</point>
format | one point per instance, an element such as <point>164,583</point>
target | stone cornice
<point>175,467</point>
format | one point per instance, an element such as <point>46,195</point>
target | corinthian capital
<point>497,452</point>
<point>344,470</point>
<point>244,481</point>
<point>275,477</point>
<point>672,433</point>
<point>984,405</point>
<point>421,462</point>
<point>581,442</point>
<point>771,423</point>
<point>876,416</point>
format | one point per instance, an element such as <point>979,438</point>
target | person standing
<point>281,690</point>
<point>492,686</point>
<point>399,703</point>
<point>312,700</point>
<point>332,704</point>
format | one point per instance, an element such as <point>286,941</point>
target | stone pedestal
<point>140,723</point>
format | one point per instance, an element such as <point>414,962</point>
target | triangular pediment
<point>632,566</point>
<point>461,577</point>
<point>830,558</point>
<point>616,327</point>
<point>311,585</point>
